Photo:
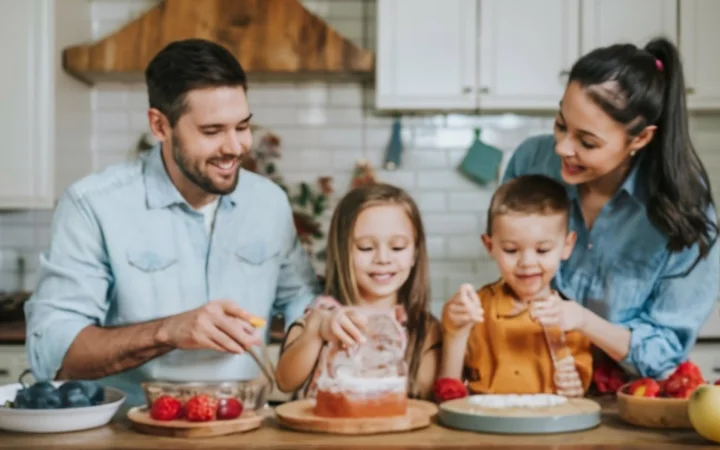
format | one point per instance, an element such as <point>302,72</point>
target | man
<point>156,267</point>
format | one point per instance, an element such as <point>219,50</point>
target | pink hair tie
<point>659,65</point>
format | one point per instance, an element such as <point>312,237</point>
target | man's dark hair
<point>183,66</point>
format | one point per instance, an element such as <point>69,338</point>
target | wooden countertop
<point>612,434</point>
<point>12,332</point>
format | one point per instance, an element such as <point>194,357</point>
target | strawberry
<point>449,388</point>
<point>201,408</point>
<point>644,387</point>
<point>229,408</point>
<point>166,408</point>
<point>690,370</point>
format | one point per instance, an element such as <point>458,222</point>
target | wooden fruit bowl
<point>653,412</point>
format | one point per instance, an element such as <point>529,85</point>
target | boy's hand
<point>554,311</point>
<point>342,326</point>
<point>463,310</point>
<point>567,379</point>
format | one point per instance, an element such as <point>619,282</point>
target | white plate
<point>57,420</point>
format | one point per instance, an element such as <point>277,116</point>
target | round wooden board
<point>578,414</point>
<point>299,415</point>
<point>141,421</point>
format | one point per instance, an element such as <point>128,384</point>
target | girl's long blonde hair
<point>340,280</point>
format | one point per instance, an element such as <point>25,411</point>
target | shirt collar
<point>161,191</point>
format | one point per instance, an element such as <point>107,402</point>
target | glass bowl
<point>253,394</point>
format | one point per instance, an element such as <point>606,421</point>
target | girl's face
<point>382,253</point>
<point>591,144</point>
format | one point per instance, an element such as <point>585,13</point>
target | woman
<point>644,272</point>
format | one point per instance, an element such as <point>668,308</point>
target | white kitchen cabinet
<point>45,116</point>
<point>607,22</point>
<point>427,54</point>
<point>526,49</point>
<point>699,38</point>
<point>26,104</point>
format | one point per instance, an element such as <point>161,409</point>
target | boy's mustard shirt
<point>510,355</point>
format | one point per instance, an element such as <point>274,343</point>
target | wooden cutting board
<point>299,415</point>
<point>575,415</point>
<point>141,421</point>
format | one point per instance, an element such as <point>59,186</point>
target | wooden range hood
<point>269,37</point>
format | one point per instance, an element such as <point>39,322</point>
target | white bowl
<point>57,420</point>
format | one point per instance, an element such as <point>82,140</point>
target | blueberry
<point>49,401</point>
<point>23,400</point>
<point>43,395</point>
<point>90,389</point>
<point>76,399</point>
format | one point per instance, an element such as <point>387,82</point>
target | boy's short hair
<point>528,194</point>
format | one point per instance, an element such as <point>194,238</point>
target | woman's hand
<point>552,311</point>
<point>567,379</point>
<point>342,326</point>
<point>462,311</point>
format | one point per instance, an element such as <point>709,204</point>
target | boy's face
<point>528,250</point>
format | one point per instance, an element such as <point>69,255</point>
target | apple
<point>704,411</point>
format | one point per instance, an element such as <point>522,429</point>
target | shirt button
<point>589,246</point>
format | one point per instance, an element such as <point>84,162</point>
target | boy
<point>492,335</point>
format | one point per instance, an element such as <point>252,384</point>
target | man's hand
<point>219,325</point>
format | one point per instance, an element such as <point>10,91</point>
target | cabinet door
<point>426,54</point>
<point>607,22</point>
<point>526,48</point>
<point>699,38</point>
<point>26,104</point>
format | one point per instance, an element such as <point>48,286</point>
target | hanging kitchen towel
<point>394,150</point>
<point>481,161</point>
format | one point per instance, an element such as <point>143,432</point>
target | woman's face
<point>592,144</point>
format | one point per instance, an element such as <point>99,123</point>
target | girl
<point>644,272</point>
<point>376,257</point>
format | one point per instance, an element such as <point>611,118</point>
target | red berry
<point>200,408</point>
<point>229,408</point>
<point>166,407</point>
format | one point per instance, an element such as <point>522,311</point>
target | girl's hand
<point>342,326</point>
<point>463,310</point>
<point>569,315</point>
<point>567,379</point>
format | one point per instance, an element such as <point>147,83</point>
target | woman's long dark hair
<point>645,86</point>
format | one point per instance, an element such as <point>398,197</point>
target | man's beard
<point>193,173</point>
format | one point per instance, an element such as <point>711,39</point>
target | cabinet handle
<point>564,73</point>
<point>467,90</point>
<point>484,90</point>
<point>690,91</point>
<point>4,373</point>
<point>716,370</point>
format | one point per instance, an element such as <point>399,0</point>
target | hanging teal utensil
<point>393,155</point>
<point>481,161</point>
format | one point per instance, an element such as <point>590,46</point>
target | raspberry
<point>201,408</point>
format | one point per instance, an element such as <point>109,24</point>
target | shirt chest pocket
<point>625,288</point>
<point>154,288</point>
<point>256,267</point>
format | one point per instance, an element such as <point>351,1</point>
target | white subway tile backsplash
<point>325,127</point>
<point>451,224</point>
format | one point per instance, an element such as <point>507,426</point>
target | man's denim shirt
<point>127,248</point>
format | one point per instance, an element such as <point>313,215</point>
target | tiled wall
<point>325,128</point>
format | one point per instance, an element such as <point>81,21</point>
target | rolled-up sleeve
<point>72,287</point>
<point>666,330</point>
<point>297,283</point>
